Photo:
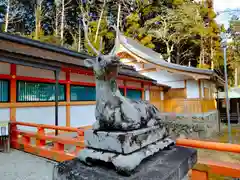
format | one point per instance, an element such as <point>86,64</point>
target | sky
<point>222,5</point>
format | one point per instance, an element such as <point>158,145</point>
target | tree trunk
<point>236,77</point>
<point>7,16</point>
<point>212,64</point>
<point>62,22</point>
<point>178,55</point>
<point>56,23</point>
<point>169,52</point>
<point>79,37</point>
<point>203,56</point>
<point>38,20</point>
<point>201,52</point>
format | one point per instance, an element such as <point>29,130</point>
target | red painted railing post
<point>40,132</point>
<point>13,134</point>
<point>26,140</point>
<point>199,175</point>
<point>80,139</point>
<point>59,147</point>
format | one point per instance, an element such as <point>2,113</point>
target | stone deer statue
<point>114,111</point>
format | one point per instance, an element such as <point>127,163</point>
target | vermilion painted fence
<point>206,167</point>
<point>38,143</point>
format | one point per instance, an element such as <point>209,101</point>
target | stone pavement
<point>18,165</point>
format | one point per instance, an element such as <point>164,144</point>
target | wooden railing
<point>207,168</point>
<point>48,146</point>
<point>188,106</point>
<point>38,143</point>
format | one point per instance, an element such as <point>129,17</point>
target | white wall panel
<point>147,95</point>
<point>34,72</point>
<point>4,68</point>
<point>4,114</point>
<point>82,115</point>
<point>192,89</point>
<point>82,78</point>
<point>40,115</point>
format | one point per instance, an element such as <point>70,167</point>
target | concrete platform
<point>18,165</point>
<point>123,142</point>
<point>172,164</point>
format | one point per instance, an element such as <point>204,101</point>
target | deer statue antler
<point>116,28</point>
<point>85,28</point>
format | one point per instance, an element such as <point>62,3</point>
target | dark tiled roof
<point>125,70</point>
<point>41,45</point>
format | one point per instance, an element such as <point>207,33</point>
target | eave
<point>137,51</point>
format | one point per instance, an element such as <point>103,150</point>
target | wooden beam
<point>148,70</point>
<point>133,62</point>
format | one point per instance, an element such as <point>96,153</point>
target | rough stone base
<point>124,142</point>
<point>124,163</point>
<point>172,164</point>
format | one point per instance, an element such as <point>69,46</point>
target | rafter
<point>147,70</point>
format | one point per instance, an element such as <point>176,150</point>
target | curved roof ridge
<point>154,57</point>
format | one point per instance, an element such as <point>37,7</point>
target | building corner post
<point>56,73</point>
<point>226,92</point>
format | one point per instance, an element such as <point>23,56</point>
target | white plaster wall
<point>164,77</point>
<point>4,68</point>
<point>62,75</point>
<point>214,91</point>
<point>147,95</point>
<point>202,87</point>
<point>207,84</point>
<point>82,78</point>
<point>120,82</point>
<point>4,114</point>
<point>192,89</point>
<point>162,95</point>
<point>82,115</point>
<point>177,84</point>
<point>34,72</point>
<point>133,84</point>
<point>40,115</point>
<point>146,86</point>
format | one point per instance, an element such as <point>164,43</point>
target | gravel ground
<point>18,165</point>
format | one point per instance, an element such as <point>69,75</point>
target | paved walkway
<point>18,165</point>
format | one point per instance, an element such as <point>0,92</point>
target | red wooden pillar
<point>13,92</point>
<point>68,99</point>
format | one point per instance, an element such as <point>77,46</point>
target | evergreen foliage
<point>182,31</point>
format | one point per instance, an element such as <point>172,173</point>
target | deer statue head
<point>104,66</point>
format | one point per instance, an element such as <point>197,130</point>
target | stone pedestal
<point>125,150</point>
<point>171,164</point>
<point>123,142</point>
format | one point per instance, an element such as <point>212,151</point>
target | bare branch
<point>85,28</point>
<point>99,22</point>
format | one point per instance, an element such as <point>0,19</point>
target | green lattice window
<point>134,94</point>
<point>83,93</point>
<point>4,91</point>
<point>121,91</point>
<point>38,92</point>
